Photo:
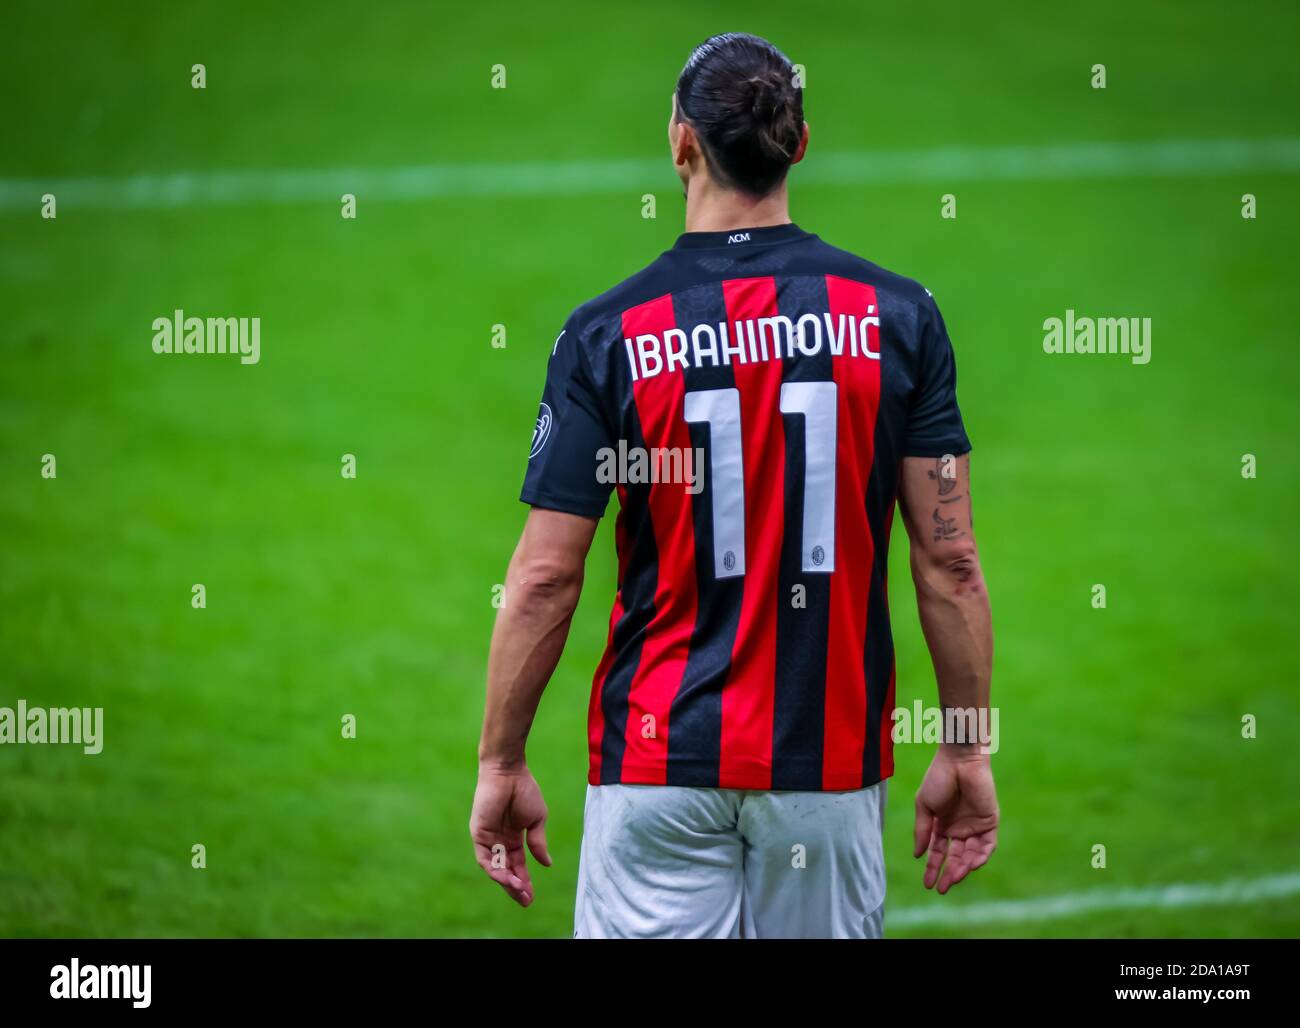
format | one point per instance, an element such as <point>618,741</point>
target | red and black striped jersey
<point>750,396</point>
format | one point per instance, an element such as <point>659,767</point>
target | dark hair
<point>738,93</point>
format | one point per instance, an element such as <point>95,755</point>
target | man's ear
<point>685,145</point>
<point>803,145</point>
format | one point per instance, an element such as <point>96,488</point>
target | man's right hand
<point>956,816</point>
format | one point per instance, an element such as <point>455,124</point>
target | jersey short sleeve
<point>934,424</point>
<point>569,434</point>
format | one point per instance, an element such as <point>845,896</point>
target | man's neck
<point>710,209</point>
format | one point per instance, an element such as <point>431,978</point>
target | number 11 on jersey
<point>720,410</point>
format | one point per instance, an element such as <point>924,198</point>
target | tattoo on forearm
<point>945,529</point>
<point>947,482</point>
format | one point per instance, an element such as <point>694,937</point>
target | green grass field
<point>372,597</point>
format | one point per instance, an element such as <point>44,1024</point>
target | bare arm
<point>542,587</point>
<point>956,807</point>
<point>950,593</point>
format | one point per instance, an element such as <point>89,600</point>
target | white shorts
<point>663,861</point>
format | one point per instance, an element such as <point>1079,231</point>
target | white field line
<point>1045,908</point>
<point>943,165</point>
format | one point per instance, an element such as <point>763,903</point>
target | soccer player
<point>759,400</point>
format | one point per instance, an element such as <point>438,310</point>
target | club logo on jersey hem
<point>541,431</point>
<point>738,237</point>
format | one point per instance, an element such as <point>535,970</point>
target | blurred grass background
<point>372,597</point>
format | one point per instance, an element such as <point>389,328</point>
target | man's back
<point>749,643</point>
<point>759,400</point>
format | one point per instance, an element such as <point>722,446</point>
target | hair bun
<point>765,97</point>
<point>739,94</point>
